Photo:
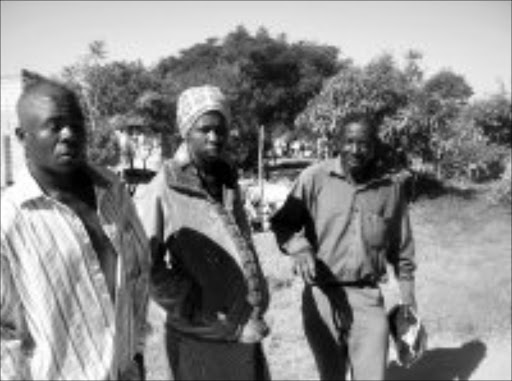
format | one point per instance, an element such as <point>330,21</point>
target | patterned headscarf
<point>196,101</point>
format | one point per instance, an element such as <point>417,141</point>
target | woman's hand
<point>254,331</point>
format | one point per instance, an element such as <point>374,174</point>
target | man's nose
<point>68,132</point>
<point>354,148</point>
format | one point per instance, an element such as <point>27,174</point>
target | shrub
<point>468,153</point>
<point>501,190</point>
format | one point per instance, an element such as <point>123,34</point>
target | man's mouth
<point>69,155</point>
<point>355,160</point>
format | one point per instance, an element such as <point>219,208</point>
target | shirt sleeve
<point>139,246</point>
<point>292,224</point>
<point>14,364</point>
<point>402,250</point>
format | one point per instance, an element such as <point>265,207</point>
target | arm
<point>292,221</point>
<point>293,227</point>
<point>402,252</point>
<point>13,357</point>
<point>139,247</point>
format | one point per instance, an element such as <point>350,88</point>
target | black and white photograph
<point>256,190</point>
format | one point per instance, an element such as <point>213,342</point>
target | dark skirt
<point>192,359</point>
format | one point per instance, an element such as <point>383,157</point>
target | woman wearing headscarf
<point>205,273</point>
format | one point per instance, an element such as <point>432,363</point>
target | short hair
<point>370,120</point>
<point>34,84</point>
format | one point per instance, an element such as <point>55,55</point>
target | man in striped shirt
<point>74,256</point>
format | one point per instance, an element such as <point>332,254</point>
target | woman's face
<point>207,138</point>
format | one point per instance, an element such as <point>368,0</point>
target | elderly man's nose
<point>353,148</point>
<point>68,132</point>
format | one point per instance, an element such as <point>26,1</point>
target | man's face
<point>53,132</point>
<point>208,136</point>
<point>357,146</point>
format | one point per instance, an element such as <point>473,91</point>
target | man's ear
<point>20,133</point>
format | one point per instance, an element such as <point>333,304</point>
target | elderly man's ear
<point>20,133</point>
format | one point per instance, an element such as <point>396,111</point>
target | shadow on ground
<point>431,188</point>
<point>442,364</point>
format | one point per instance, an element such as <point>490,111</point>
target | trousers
<point>347,330</point>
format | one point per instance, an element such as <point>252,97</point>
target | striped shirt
<point>58,320</point>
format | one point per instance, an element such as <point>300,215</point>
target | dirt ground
<point>463,290</point>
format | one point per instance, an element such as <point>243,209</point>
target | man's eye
<point>54,124</point>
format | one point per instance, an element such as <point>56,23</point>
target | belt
<point>360,283</point>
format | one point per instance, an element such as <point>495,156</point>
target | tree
<point>158,113</point>
<point>443,97</point>
<point>79,75</point>
<point>110,89</point>
<point>448,85</point>
<point>379,89</point>
<point>103,147</point>
<point>268,80</point>
<point>493,116</point>
<point>469,153</point>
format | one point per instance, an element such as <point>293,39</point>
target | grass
<point>463,290</point>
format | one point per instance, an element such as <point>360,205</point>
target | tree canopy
<point>301,89</point>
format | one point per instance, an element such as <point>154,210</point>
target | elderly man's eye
<point>54,124</point>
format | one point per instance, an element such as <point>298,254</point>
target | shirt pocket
<point>375,228</point>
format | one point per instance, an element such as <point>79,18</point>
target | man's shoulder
<point>397,178</point>
<point>20,191</point>
<point>9,207</point>
<point>13,199</point>
<point>399,183</point>
<point>104,175</point>
<point>165,176</point>
<point>318,170</point>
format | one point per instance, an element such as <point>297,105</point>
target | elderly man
<point>343,221</point>
<point>205,273</point>
<point>74,257</point>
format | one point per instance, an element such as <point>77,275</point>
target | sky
<point>472,38</point>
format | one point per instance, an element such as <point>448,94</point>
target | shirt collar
<point>26,188</point>
<point>380,173</point>
<point>335,167</point>
<point>182,174</point>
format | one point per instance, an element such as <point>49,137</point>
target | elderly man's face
<point>357,146</point>
<point>53,131</point>
<point>208,136</point>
